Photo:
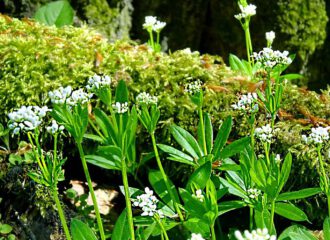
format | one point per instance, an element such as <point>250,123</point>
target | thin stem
<point>61,214</point>
<point>251,218</point>
<point>212,232</point>
<point>162,228</point>
<point>158,34</point>
<point>91,190</point>
<point>267,147</point>
<point>127,199</point>
<point>160,166</point>
<point>201,119</point>
<point>324,176</point>
<point>248,41</point>
<point>272,216</point>
<point>55,155</point>
<point>152,39</point>
<point>36,154</point>
<point>96,129</point>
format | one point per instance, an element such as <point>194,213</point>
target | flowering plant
<point>151,24</point>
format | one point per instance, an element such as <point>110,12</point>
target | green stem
<point>267,147</point>
<point>201,119</point>
<point>162,228</point>
<point>127,199</point>
<point>36,138</point>
<point>160,166</point>
<point>36,154</point>
<point>248,41</point>
<point>251,218</point>
<point>61,214</point>
<point>91,190</point>
<point>212,232</point>
<point>272,217</point>
<point>152,39</point>
<point>55,155</point>
<point>324,176</point>
<point>158,33</point>
<point>96,129</point>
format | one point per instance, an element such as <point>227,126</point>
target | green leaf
<point>102,162</point>
<point>5,228</point>
<point>58,13</point>
<point>200,177</point>
<point>297,232</point>
<point>81,231</point>
<point>326,229</point>
<point>193,205</point>
<point>94,137</point>
<point>290,211</point>
<point>208,132</point>
<point>234,148</point>
<point>235,63</point>
<point>227,206</point>
<point>121,92</point>
<point>121,228</point>
<point>222,137</point>
<point>158,184</point>
<point>303,193</point>
<point>177,155</point>
<point>197,225</point>
<point>285,171</point>
<point>187,141</point>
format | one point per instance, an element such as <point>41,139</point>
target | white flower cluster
<point>318,135</point>
<point>120,107</point>
<point>196,236</point>
<point>193,87</point>
<point>264,133</point>
<point>247,103</point>
<point>152,24</point>
<point>146,98</point>
<point>246,11</point>
<point>55,128</point>
<point>253,193</point>
<point>148,203</point>
<point>26,118</point>
<point>270,58</point>
<point>66,95</point>
<point>199,195</point>
<point>96,82</point>
<point>270,36</point>
<point>259,234</point>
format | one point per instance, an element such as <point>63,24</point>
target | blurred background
<point>209,26</point>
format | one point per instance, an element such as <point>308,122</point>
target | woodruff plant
<point>151,24</point>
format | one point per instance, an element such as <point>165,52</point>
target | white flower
<point>196,236</point>
<point>247,103</point>
<point>318,135</point>
<point>278,158</point>
<point>246,11</point>
<point>253,193</point>
<point>79,96</point>
<point>148,203</point>
<point>193,87</point>
<point>96,82</point>
<point>149,22</point>
<point>259,234</point>
<point>270,58</point>
<point>146,98</point>
<point>26,118</point>
<point>60,95</point>
<point>270,36</point>
<point>199,195</point>
<point>264,133</point>
<point>120,107</point>
<point>158,26</point>
<point>54,128</point>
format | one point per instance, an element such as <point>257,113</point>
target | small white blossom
<point>96,82</point>
<point>247,103</point>
<point>196,236</point>
<point>270,58</point>
<point>259,234</point>
<point>146,98</point>
<point>246,11</point>
<point>199,195</point>
<point>149,22</point>
<point>278,158</point>
<point>60,95</point>
<point>264,133</point>
<point>120,107</point>
<point>193,87</point>
<point>318,135</point>
<point>253,193</point>
<point>270,36</point>
<point>79,96</point>
<point>148,203</point>
<point>55,128</point>
<point>26,118</point>
<point>158,26</point>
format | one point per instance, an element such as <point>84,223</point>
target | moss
<point>303,22</point>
